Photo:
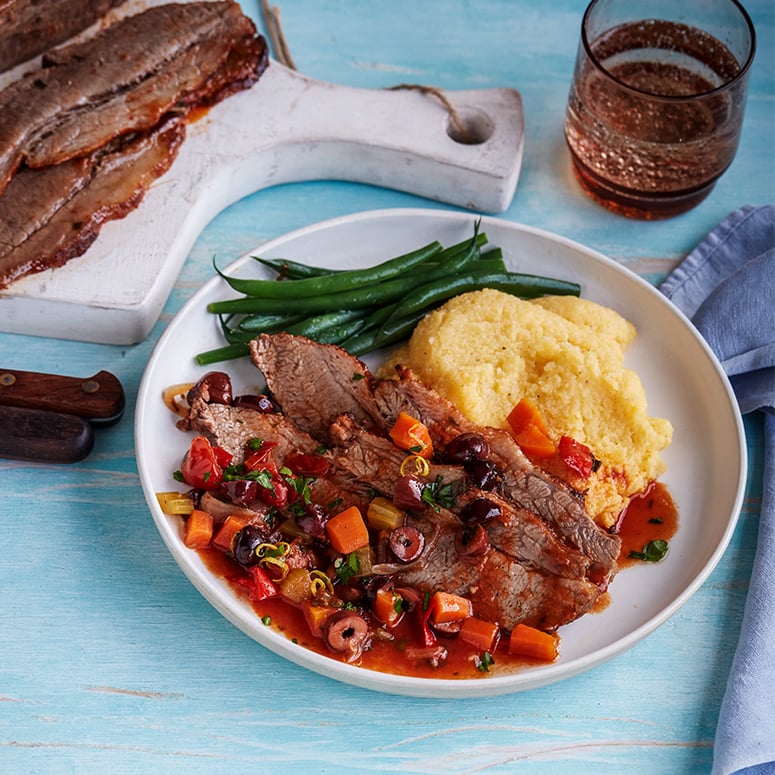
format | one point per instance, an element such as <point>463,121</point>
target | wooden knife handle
<point>44,437</point>
<point>99,399</point>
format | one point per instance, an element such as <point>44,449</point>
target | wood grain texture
<point>112,661</point>
<point>99,397</point>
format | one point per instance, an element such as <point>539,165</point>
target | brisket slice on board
<point>122,80</point>
<point>51,215</point>
<point>30,27</point>
<point>88,106</point>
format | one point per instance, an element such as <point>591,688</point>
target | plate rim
<point>390,683</point>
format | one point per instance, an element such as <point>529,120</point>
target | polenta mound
<point>486,350</point>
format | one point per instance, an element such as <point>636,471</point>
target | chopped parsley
<point>301,486</point>
<point>653,551</point>
<point>347,566</point>
<point>484,662</point>
<point>438,494</point>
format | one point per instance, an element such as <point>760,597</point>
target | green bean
<point>453,258</point>
<point>494,254</point>
<point>441,273</point>
<point>268,323</point>
<point>311,327</point>
<point>376,295</point>
<point>294,270</point>
<point>374,338</point>
<point>380,315</point>
<point>287,268</point>
<point>458,258</point>
<point>338,334</point>
<point>232,335</point>
<point>357,298</point>
<point>226,353</point>
<point>335,283</point>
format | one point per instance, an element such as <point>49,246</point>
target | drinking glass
<point>656,104</point>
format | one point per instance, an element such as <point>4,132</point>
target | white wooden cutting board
<point>286,128</point>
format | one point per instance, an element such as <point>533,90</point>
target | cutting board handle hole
<point>472,128</point>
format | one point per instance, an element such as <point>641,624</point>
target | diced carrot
<point>315,616</point>
<point>410,434</point>
<point>534,442</point>
<point>347,531</point>
<point>387,606</point>
<point>531,642</point>
<point>524,414</point>
<point>529,430</point>
<point>224,538</point>
<point>479,633</point>
<point>199,530</point>
<point>446,607</point>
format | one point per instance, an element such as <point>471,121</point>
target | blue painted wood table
<point>111,661</point>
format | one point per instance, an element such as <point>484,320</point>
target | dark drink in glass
<point>656,104</point>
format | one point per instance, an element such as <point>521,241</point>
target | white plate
<point>706,463</point>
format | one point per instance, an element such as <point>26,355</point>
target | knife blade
<point>42,436</point>
<point>99,399</point>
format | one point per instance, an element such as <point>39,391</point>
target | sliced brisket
<point>232,427</point>
<point>502,588</point>
<point>520,542</point>
<point>543,560</point>
<point>557,506</point>
<point>49,216</point>
<point>374,460</point>
<point>30,27</point>
<point>125,79</point>
<point>82,138</point>
<point>291,366</point>
<point>314,385</point>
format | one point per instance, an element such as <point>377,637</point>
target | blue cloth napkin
<point>726,286</point>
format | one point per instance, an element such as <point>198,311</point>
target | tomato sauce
<point>650,516</point>
<point>196,113</point>
<point>384,656</point>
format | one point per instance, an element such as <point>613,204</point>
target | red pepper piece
<point>222,456</point>
<point>260,457</point>
<point>277,492</point>
<point>428,638</point>
<point>577,456</point>
<point>307,465</point>
<point>259,585</point>
<point>200,467</point>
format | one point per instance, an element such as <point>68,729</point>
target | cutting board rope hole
<point>472,130</point>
